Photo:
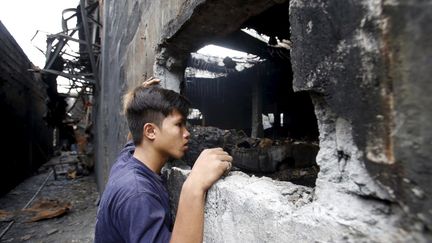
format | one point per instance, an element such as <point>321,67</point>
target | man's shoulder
<point>122,192</point>
<point>123,159</point>
<point>127,180</point>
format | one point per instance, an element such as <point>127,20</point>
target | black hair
<point>151,105</point>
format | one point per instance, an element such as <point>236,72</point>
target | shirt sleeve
<point>141,219</point>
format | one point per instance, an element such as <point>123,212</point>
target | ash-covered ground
<point>74,201</point>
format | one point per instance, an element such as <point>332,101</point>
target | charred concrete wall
<point>131,34</point>
<point>27,140</point>
<point>366,66</point>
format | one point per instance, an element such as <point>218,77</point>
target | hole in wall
<point>241,84</point>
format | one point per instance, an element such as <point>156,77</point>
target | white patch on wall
<point>309,27</point>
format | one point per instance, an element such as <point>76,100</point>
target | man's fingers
<point>150,81</point>
<point>215,149</point>
<point>221,152</point>
<point>227,167</point>
<point>225,157</point>
<point>218,151</point>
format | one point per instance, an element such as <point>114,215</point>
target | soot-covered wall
<point>27,139</point>
<point>367,63</point>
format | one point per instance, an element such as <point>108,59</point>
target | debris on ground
<point>6,216</point>
<point>47,209</point>
<point>63,211</point>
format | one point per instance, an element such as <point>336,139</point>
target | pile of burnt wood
<point>259,155</point>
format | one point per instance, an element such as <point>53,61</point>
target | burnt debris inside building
<point>247,104</point>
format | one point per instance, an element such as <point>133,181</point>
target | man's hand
<point>151,81</point>
<point>209,167</point>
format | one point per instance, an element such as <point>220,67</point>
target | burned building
<point>27,138</point>
<point>361,67</point>
<point>235,94</point>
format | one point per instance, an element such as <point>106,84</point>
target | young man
<point>135,206</point>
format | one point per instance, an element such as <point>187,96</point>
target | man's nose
<point>186,134</point>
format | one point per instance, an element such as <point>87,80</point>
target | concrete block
<point>241,208</point>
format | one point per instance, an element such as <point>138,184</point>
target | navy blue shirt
<point>135,205</point>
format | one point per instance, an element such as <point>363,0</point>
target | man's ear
<point>149,131</point>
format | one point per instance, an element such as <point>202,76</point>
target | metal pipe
<point>87,36</point>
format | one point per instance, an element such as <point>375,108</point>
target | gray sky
<point>23,18</point>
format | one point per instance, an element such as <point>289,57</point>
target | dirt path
<point>77,225</point>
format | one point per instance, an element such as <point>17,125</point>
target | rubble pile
<point>287,159</point>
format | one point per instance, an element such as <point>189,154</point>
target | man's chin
<point>178,156</point>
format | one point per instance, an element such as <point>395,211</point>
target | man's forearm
<point>189,224</point>
<point>208,168</point>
